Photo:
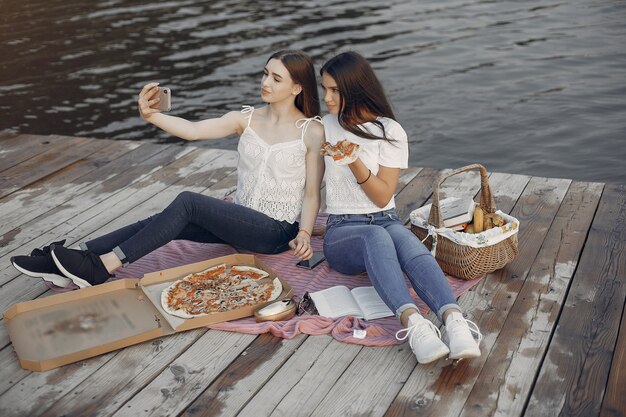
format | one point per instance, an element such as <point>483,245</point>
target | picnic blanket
<point>379,332</point>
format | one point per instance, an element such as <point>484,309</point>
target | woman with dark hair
<point>280,171</point>
<point>363,232</point>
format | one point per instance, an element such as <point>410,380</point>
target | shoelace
<point>423,331</point>
<point>46,249</point>
<point>473,328</point>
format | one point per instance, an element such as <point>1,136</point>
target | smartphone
<point>313,262</point>
<point>165,94</point>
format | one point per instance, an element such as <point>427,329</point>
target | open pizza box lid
<point>53,331</point>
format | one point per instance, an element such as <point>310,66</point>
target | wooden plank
<point>106,380</point>
<point>17,148</point>
<point>369,384</point>
<point>188,376</point>
<point>62,186</point>
<point>487,305</point>
<point>113,368</point>
<point>127,186</point>
<point>33,394</point>
<point>510,370</point>
<point>294,389</point>
<point>245,376</point>
<point>103,216</point>
<point>90,218</point>
<point>12,372</point>
<point>37,232</point>
<point>416,192</point>
<point>614,403</point>
<point>104,391</point>
<point>574,375</point>
<point>68,152</point>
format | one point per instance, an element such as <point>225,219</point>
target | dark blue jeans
<point>198,218</point>
<point>379,244</point>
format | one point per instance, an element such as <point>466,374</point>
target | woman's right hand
<point>147,99</point>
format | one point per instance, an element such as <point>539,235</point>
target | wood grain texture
<point>243,378</point>
<point>614,402</point>
<point>68,152</point>
<point>208,177</point>
<point>187,376</point>
<point>553,319</point>
<point>127,372</point>
<point>517,354</point>
<point>575,373</point>
<point>101,209</point>
<point>368,385</point>
<point>37,198</point>
<point>415,193</point>
<point>18,148</point>
<point>488,305</point>
<point>286,388</point>
<point>38,391</point>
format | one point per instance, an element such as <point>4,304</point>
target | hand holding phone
<point>317,259</point>
<point>154,99</point>
<point>165,97</point>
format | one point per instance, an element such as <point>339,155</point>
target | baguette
<point>478,219</point>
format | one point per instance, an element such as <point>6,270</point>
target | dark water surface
<point>531,87</point>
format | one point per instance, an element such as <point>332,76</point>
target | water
<point>530,87</point>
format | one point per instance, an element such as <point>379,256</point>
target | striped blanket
<point>380,332</point>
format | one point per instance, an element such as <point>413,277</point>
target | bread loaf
<point>478,219</point>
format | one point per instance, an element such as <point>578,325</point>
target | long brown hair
<point>300,67</point>
<point>362,97</point>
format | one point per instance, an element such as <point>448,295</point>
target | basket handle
<point>486,198</point>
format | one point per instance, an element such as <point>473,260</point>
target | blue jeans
<point>198,218</point>
<point>379,244</point>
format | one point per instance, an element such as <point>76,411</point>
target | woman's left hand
<point>301,246</point>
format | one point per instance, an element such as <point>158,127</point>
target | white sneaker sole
<point>437,356</point>
<point>57,280</point>
<point>76,280</point>
<point>465,354</point>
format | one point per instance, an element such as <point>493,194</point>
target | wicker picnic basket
<point>463,255</point>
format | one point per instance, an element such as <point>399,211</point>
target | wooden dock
<point>553,320</point>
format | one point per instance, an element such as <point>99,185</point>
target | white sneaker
<point>460,338</point>
<point>424,339</point>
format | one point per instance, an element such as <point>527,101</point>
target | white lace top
<point>343,194</point>
<point>271,178</point>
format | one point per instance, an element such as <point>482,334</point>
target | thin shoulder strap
<point>304,124</point>
<point>248,109</point>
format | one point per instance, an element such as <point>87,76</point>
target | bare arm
<point>311,203</point>
<point>380,187</point>
<point>229,124</point>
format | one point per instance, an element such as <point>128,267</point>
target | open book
<point>361,302</point>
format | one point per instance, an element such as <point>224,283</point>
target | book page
<point>371,304</point>
<point>336,302</point>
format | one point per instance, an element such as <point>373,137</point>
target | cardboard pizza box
<point>53,331</point>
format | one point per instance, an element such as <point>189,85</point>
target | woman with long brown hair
<point>280,171</point>
<point>363,232</point>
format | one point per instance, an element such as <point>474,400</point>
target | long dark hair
<point>362,97</point>
<point>300,67</point>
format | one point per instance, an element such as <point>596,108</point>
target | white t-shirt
<point>343,194</point>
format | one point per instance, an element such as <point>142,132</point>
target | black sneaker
<point>41,266</point>
<point>83,268</point>
<point>46,249</point>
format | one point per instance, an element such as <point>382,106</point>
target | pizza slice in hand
<point>343,152</point>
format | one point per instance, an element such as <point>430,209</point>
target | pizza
<point>342,152</point>
<point>219,289</point>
